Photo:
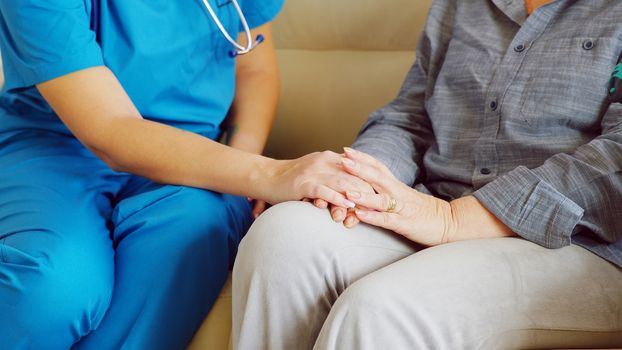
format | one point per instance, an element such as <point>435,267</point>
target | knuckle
<point>364,197</point>
<point>385,200</point>
<point>327,154</point>
<point>386,221</point>
<point>341,183</point>
<point>315,162</point>
<point>315,191</point>
<point>360,185</point>
<point>366,187</point>
<point>377,174</point>
<point>369,174</point>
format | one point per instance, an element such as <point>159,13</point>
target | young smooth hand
<point>317,175</point>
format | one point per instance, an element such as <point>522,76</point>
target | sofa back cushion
<point>340,60</point>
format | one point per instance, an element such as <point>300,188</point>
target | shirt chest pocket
<point>565,81</point>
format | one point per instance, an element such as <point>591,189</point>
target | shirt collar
<point>514,9</point>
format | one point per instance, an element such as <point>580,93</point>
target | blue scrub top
<point>168,54</point>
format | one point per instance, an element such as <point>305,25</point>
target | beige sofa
<point>339,61</point>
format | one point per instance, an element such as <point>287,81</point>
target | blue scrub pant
<point>95,259</point>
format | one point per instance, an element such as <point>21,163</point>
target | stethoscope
<point>239,49</point>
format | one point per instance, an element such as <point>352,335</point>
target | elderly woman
<point>496,217</point>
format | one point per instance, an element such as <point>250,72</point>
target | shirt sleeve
<point>400,133</point>
<point>569,193</point>
<point>260,12</point>
<point>43,39</point>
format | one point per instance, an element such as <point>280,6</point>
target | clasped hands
<point>357,187</point>
<point>386,202</point>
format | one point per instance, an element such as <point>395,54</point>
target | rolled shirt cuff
<point>531,207</point>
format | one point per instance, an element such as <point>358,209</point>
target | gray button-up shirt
<point>513,110</point>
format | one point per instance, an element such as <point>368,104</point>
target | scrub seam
<point>134,212</point>
<point>2,250</point>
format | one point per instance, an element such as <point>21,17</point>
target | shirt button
<point>493,105</point>
<point>485,171</point>
<point>588,44</point>
<point>519,48</point>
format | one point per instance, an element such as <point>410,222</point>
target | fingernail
<point>348,204</point>
<point>347,162</point>
<point>336,213</point>
<point>353,195</point>
<point>349,150</point>
<point>349,222</point>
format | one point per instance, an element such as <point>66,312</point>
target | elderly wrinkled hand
<point>395,206</point>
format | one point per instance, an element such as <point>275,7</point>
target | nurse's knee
<point>55,297</point>
<point>202,226</point>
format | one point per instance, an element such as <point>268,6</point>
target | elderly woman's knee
<point>284,227</point>
<point>286,236</point>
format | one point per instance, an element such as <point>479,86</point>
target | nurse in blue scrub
<point>120,213</point>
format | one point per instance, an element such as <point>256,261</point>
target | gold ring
<point>392,205</point>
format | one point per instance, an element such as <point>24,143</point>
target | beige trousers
<point>302,281</point>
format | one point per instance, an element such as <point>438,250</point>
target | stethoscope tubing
<point>250,44</point>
